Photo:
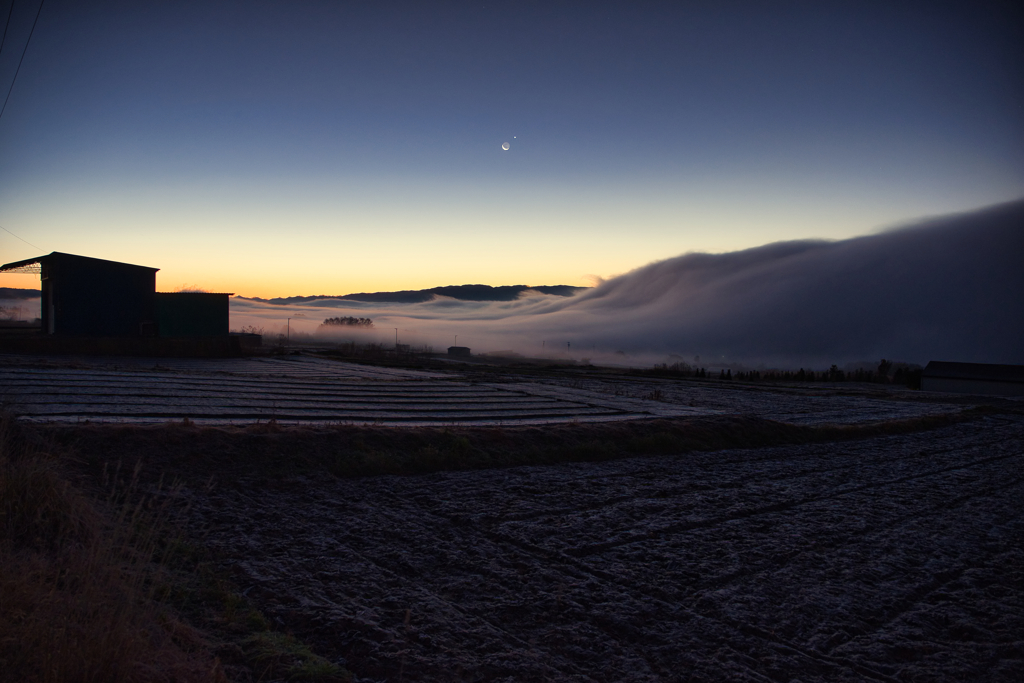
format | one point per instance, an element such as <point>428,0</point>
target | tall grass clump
<point>80,578</point>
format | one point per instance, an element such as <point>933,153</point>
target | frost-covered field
<point>311,390</point>
<point>292,390</point>
<point>896,558</point>
<point>811,404</point>
<point>890,558</point>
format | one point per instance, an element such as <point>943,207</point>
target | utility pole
<point>456,340</point>
<point>289,330</point>
<point>396,339</point>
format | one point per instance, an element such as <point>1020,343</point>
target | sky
<point>300,148</point>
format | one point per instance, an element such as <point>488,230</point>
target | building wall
<point>192,314</point>
<point>972,386</point>
<point>91,297</point>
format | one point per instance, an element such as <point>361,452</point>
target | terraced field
<point>300,389</point>
<point>311,390</point>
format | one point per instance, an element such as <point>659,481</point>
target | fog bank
<point>945,288</point>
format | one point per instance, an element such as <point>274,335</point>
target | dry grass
<point>270,450</point>
<point>78,581</point>
<point>99,584</point>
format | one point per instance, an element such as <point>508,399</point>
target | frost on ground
<point>292,390</point>
<point>807,404</point>
<point>896,558</point>
<point>312,390</point>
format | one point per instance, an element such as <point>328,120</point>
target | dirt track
<point>896,558</point>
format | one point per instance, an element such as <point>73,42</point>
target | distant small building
<point>973,378</point>
<point>462,351</point>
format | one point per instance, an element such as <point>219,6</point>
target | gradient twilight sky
<point>274,149</point>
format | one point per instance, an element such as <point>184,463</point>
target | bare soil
<point>735,531</point>
<point>891,558</point>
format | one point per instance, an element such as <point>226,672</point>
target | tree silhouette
<point>348,321</point>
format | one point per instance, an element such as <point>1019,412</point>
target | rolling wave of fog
<point>947,288</point>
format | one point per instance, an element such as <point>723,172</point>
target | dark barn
<point>95,298</point>
<point>192,314</point>
<point>84,296</point>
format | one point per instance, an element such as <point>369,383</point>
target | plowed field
<point>878,558</point>
<point>897,558</point>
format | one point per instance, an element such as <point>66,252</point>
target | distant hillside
<point>413,296</point>
<point>8,293</point>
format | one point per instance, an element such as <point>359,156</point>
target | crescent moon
<point>505,146</point>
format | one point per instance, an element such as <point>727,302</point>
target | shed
<point>192,314</point>
<point>459,351</point>
<point>973,378</point>
<point>84,296</point>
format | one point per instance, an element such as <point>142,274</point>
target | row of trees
<point>887,372</point>
<point>348,321</point>
<point>682,369</point>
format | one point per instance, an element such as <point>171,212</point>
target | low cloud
<point>946,288</point>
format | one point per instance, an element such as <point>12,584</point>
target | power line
<point>23,240</point>
<point>34,22</point>
<point>7,26</point>
<point>3,41</point>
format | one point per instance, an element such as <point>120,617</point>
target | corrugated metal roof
<point>22,265</point>
<point>8,267</point>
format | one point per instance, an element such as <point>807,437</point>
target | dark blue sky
<point>287,148</point>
